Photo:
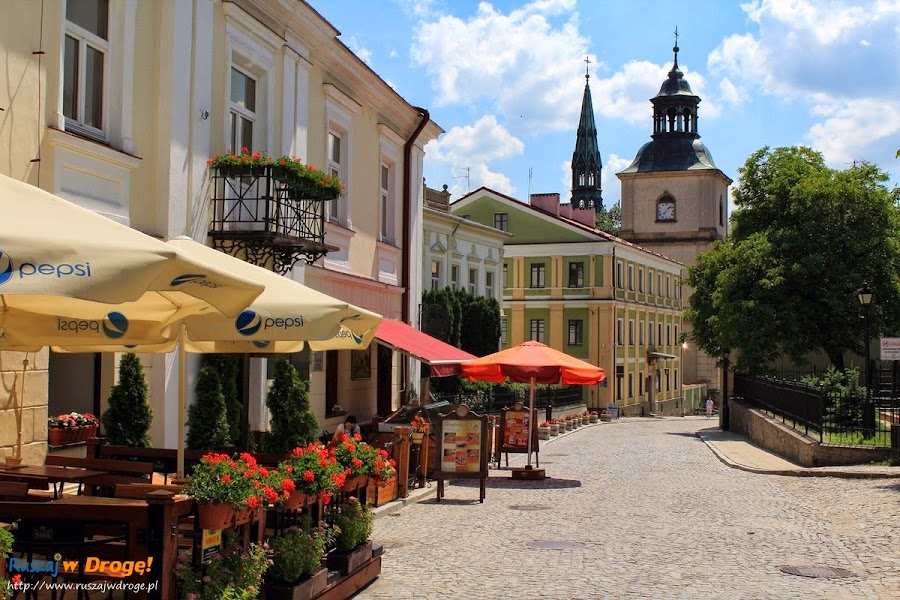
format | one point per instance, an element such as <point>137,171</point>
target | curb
<point>799,471</point>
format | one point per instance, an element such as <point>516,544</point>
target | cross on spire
<point>587,65</point>
<point>675,47</point>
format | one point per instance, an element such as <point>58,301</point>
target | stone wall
<point>792,445</point>
<point>34,405</point>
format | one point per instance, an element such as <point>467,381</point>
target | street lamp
<point>865,298</point>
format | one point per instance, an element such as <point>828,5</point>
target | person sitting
<point>348,428</point>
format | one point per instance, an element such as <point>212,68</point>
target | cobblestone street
<point>642,508</point>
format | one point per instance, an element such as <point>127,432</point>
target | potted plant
<point>315,473</point>
<point>207,417</point>
<point>353,524</point>
<point>296,572</point>
<point>605,416</point>
<point>128,417</point>
<point>359,460</point>
<point>592,417</point>
<point>70,428</point>
<point>420,427</point>
<point>307,181</point>
<point>293,423</point>
<point>227,491</point>
<point>235,573</point>
<point>544,430</point>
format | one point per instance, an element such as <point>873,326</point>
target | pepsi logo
<point>248,323</point>
<point>115,325</point>
<point>6,267</point>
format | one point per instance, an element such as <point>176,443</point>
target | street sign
<point>890,348</point>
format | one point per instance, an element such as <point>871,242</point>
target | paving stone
<point>642,508</point>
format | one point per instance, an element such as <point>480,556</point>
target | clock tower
<point>674,199</point>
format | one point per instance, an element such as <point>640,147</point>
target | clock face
<point>665,211</point>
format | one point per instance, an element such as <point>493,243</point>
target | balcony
<point>268,216</point>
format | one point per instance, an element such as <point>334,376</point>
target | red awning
<point>443,358</point>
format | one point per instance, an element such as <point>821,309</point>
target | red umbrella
<point>532,362</point>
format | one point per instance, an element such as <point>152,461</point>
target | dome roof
<point>682,153</point>
<point>675,85</point>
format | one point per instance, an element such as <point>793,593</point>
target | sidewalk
<point>738,452</point>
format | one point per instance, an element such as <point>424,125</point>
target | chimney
<point>546,202</point>
<point>585,216</point>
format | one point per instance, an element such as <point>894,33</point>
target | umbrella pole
<point>530,423</point>
<point>182,399</point>
<point>20,407</point>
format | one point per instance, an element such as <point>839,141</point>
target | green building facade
<point>589,294</point>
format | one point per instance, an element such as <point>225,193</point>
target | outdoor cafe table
<point>58,476</point>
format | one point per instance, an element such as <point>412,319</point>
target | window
<point>677,289</point>
<point>473,281</point>
<point>631,385</point>
<point>631,332</point>
<point>659,287</point>
<point>334,169</point>
<point>721,212</point>
<point>387,194</point>
<point>668,380</point>
<point>242,110</point>
<point>618,274</point>
<point>641,333</point>
<point>659,337</point>
<point>641,280</point>
<point>631,278</point>
<point>668,335</point>
<point>537,275</point>
<point>503,330</point>
<point>641,383</point>
<point>676,378</point>
<point>620,376</point>
<point>658,380</point>
<point>85,52</point>
<point>668,287</point>
<point>454,277</point>
<point>576,274</point>
<point>501,221</point>
<point>435,275</point>
<point>650,283</point>
<point>620,336</point>
<point>506,282</point>
<point>537,330</point>
<point>576,332</point>
<point>652,336</point>
<point>489,284</point>
<point>677,341</point>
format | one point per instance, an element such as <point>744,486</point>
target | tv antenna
<point>466,176</point>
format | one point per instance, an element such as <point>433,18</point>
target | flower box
<point>347,562</point>
<point>217,515</point>
<point>382,494</point>
<point>352,484</point>
<point>305,589</point>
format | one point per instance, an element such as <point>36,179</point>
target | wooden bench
<point>119,472</point>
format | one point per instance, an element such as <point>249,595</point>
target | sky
<point>505,80</point>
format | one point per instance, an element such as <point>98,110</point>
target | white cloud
<point>864,129</point>
<point>612,188</point>
<point>474,147</point>
<point>524,63</point>
<point>358,49</point>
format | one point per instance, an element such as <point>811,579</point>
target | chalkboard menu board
<point>462,448</point>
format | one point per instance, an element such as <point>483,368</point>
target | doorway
<point>385,382</point>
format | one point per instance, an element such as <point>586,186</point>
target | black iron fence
<point>835,419</point>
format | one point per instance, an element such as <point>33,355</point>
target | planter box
<point>304,590</point>
<point>347,562</point>
<point>383,493</point>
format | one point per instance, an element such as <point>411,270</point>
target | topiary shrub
<point>292,423</point>
<point>207,416</point>
<point>228,366</point>
<point>128,416</point>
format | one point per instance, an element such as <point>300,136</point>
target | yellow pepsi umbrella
<point>70,275</point>
<point>286,315</point>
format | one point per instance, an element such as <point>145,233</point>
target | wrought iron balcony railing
<point>267,216</point>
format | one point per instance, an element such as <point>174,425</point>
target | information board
<point>890,348</point>
<point>462,448</point>
<point>514,426</point>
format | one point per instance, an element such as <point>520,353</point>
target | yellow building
<point>589,294</point>
<point>117,105</point>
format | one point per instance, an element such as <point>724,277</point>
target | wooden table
<point>58,476</point>
<point>96,501</point>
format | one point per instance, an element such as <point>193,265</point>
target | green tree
<point>292,422</point>
<point>128,417</point>
<point>227,365</point>
<point>207,416</point>
<point>610,220</point>
<point>805,237</point>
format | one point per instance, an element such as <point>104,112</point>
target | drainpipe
<point>407,205</point>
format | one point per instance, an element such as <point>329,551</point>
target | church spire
<point>586,163</point>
